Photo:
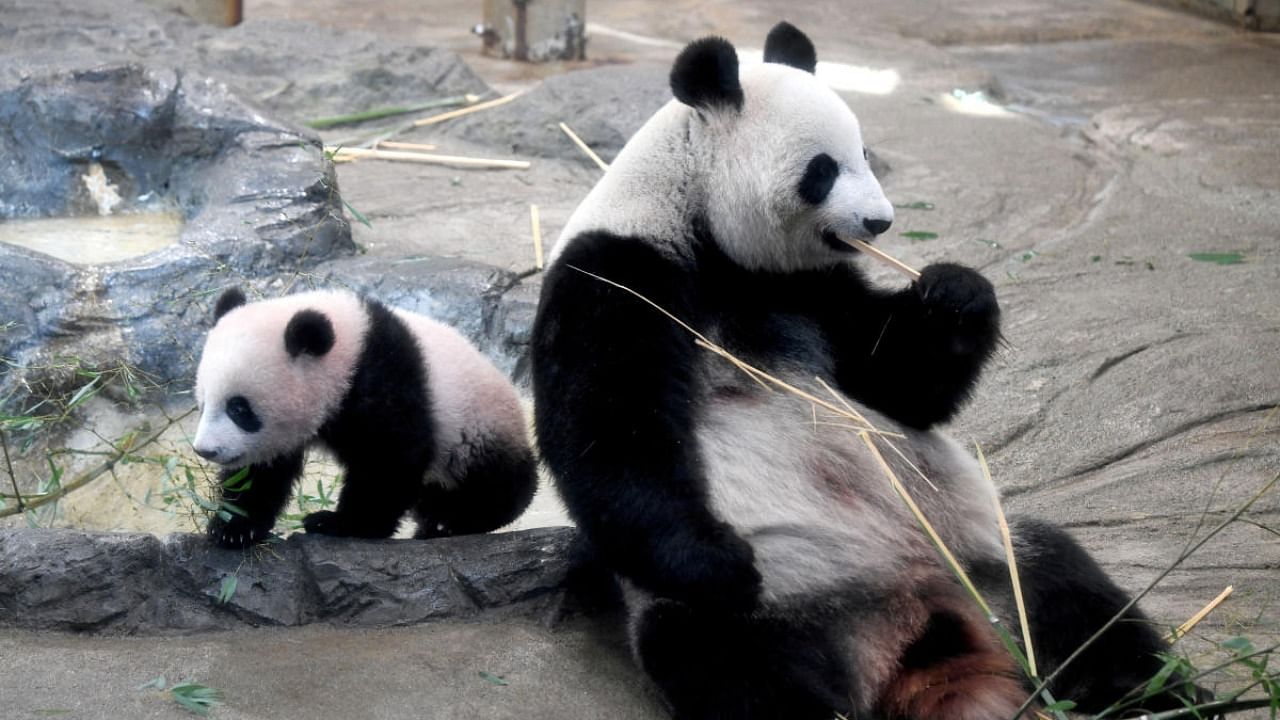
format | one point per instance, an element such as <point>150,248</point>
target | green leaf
<point>227,590</point>
<point>1061,706</point>
<point>85,392</point>
<point>917,205</point>
<point>1218,258</point>
<point>239,481</point>
<point>357,214</point>
<point>491,678</point>
<point>920,235</point>
<point>1239,646</point>
<point>1157,681</point>
<point>197,698</point>
<point>156,682</point>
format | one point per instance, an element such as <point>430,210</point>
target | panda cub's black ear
<point>310,332</point>
<point>705,75</point>
<point>788,46</point>
<point>231,298</point>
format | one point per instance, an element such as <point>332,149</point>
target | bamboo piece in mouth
<point>883,257</point>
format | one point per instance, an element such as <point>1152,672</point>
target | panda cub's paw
<point>963,301</point>
<point>238,532</point>
<point>325,522</point>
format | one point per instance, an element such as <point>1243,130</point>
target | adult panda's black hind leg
<point>492,488</point>
<point>1068,598</point>
<point>712,665</point>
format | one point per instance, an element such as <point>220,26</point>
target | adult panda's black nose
<point>876,227</point>
<point>207,454</point>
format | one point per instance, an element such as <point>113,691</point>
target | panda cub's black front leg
<point>373,500</point>
<point>253,500</point>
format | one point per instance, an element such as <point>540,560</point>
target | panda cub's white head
<point>273,371</point>
<point>778,154</point>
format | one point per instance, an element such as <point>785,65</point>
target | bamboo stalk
<point>951,560</point>
<point>89,476</point>
<point>884,257</point>
<point>433,119</point>
<point>379,113</point>
<point>396,145</point>
<point>1194,620</point>
<point>536,225</point>
<point>402,156</point>
<point>1012,562</point>
<point>583,146</point>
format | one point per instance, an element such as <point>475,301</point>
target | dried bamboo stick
<point>396,145</point>
<point>1187,626</point>
<point>884,257</point>
<point>536,225</point>
<point>583,146</point>
<point>1013,563</point>
<point>433,119</point>
<point>457,160</point>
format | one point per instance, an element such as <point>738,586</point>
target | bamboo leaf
<point>915,235</point>
<point>1218,258</point>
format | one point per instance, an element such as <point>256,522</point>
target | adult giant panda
<point>419,419</point>
<point>769,569</point>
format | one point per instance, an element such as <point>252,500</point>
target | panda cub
<point>418,418</point>
<point>768,568</point>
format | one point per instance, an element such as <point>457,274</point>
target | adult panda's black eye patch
<point>242,414</point>
<point>819,177</point>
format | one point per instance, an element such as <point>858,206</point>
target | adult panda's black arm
<point>915,354</point>
<point>614,394</point>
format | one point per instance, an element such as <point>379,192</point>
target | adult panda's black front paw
<point>238,532</point>
<point>961,303</point>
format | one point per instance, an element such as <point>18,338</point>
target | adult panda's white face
<point>271,372</point>
<point>780,155</point>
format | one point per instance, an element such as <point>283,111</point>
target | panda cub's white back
<point>416,415</point>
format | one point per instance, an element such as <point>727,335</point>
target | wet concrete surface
<point>1137,387</point>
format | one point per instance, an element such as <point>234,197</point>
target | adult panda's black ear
<point>705,75</point>
<point>786,45</point>
<point>310,332</point>
<point>231,298</point>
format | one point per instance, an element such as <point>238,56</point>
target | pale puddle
<point>95,240</point>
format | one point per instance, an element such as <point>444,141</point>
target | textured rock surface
<point>123,584</point>
<point>258,197</point>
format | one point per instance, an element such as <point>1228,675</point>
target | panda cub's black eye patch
<point>242,414</point>
<point>819,177</point>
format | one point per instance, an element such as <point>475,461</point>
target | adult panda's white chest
<point>799,484</point>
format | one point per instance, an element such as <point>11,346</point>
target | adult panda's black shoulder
<point>769,569</point>
<point>419,419</point>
